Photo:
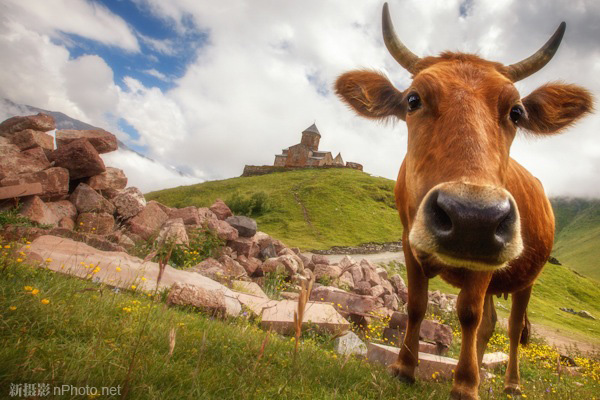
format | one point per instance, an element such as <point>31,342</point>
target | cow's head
<point>462,114</point>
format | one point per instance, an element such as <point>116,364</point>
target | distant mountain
<point>577,239</point>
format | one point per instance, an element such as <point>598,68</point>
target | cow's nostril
<point>505,229</point>
<point>441,219</point>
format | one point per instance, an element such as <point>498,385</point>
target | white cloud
<point>266,73</point>
<point>157,74</point>
<point>164,46</point>
<point>84,18</point>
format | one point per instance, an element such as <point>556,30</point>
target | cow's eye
<point>516,113</point>
<point>414,101</point>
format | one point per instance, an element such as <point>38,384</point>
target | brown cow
<point>470,212</point>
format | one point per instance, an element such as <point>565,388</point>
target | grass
<point>61,330</point>
<point>310,209</point>
<point>577,243</point>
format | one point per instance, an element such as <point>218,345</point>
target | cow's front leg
<point>404,367</point>
<point>469,307</point>
<point>516,323</point>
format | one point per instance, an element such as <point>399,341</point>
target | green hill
<point>310,209</point>
<point>577,242</point>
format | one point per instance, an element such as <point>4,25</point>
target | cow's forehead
<point>448,78</point>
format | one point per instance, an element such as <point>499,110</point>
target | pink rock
<point>363,287</point>
<point>80,158</point>
<point>103,141</point>
<point>7,148</point>
<point>112,178</point>
<point>221,210</point>
<point>28,161</point>
<point>196,296</point>
<point>148,222</point>
<point>173,231</point>
<point>66,223</point>
<point>189,215</point>
<point>325,270</point>
<point>357,273</point>
<point>28,139</point>
<point>63,208</point>
<point>323,317</point>
<point>54,181</point>
<point>223,230</point>
<point>129,202</point>
<point>346,303</point>
<point>37,211</point>
<point>97,223</point>
<point>88,200</point>
<point>11,192</point>
<point>369,273</point>
<point>377,291</point>
<point>206,216</point>
<point>244,246</point>
<point>39,122</point>
<point>252,265</point>
<point>430,330</point>
<point>232,268</point>
<point>320,259</point>
<point>288,264</point>
<point>347,280</point>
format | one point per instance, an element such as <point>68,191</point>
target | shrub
<point>203,244</point>
<point>254,205</point>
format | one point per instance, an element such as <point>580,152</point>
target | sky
<point>209,86</point>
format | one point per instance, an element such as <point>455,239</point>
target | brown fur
<point>462,133</point>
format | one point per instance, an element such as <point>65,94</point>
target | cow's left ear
<point>370,94</point>
<point>554,107</point>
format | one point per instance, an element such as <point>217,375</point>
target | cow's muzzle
<point>470,226</point>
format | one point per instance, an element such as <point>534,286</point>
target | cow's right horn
<point>397,49</point>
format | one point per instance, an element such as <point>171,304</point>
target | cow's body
<point>471,214</point>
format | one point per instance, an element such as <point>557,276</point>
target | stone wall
<point>254,170</point>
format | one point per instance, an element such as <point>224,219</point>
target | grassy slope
<point>344,206</point>
<point>87,334</point>
<point>577,242</point>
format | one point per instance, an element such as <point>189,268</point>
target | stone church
<point>307,153</point>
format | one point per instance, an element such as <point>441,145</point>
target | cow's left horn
<point>534,63</point>
<point>397,49</point>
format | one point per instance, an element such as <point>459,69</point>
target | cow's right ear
<point>370,94</point>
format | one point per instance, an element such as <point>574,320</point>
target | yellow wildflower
<point>143,278</point>
<point>133,287</point>
<point>19,260</point>
<point>45,301</point>
<point>35,291</point>
<point>12,308</point>
<point>28,288</point>
<point>48,260</point>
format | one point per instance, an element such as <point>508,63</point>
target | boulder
<point>28,139</point>
<point>387,286</point>
<point>357,273</point>
<point>25,162</point>
<point>232,268</point>
<point>248,287</point>
<point>363,287</point>
<point>36,210</point>
<point>66,223</point>
<point>11,192</point>
<point>63,208</point>
<point>98,223</point>
<point>252,265</point>
<point>103,141</point>
<point>346,280</point>
<point>80,158</point>
<point>585,314</point>
<point>112,178</point>
<point>206,216</point>
<point>7,148</point>
<point>383,274</point>
<point>391,301</point>
<point>148,222</point>
<point>346,303</point>
<point>323,317</point>
<point>87,200</point>
<point>369,273</point>
<point>244,246</point>
<point>350,344</point>
<point>173,231</point>
<point>430,330</point>
<point>71,254</point>
<point>377,291</point>
<point>223,230</point>
<point>327,271</point>
<point>430,366</point>
<point>288,264</point>
<point>320,259</point>
<point>189,215</point>
<point>129,202</point>
<point>54,181</point>
<point>188,295</point>
<point>210,268</point>
<point>39,122</point>
<point>397,283</point>
<point>220,209</point>
<point>346,262</point>
<point>245,226</point>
